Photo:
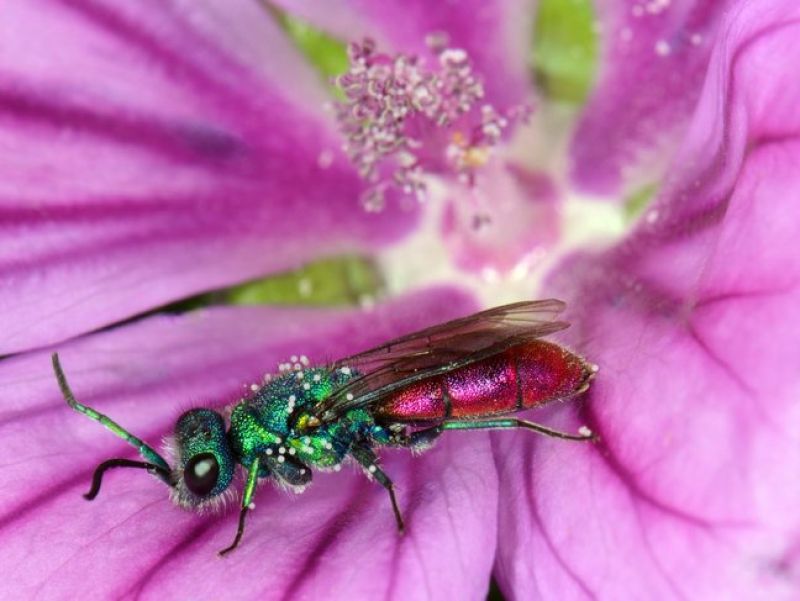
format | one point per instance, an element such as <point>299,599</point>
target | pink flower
<point>156,151</point>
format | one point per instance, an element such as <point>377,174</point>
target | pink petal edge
<point>653,59</point>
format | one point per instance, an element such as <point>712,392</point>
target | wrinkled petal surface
<point>131,542</point>
<point>495,33</point>
<point>692,492</point>
<point>151,150</point>
<point>653,60</point>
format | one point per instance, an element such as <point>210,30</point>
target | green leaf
<point>346,280</point>
<point>338,281</point>
<point>327,54</point>
<point>564,50</point>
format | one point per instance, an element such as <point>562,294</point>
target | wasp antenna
<point>146,451</point>
<point>97,478</point>
<point>62,382</point>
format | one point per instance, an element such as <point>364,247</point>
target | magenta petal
<point>151,151</point>
<point>495,33</point>
<point>693,491</point>
<point>506,221</point>
<point>132,542</point>
<point>653,61</point>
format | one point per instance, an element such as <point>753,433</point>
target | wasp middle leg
<point>369,461</point>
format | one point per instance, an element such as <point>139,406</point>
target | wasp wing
<point>438,350</point>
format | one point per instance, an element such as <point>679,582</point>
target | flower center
<point>403,121</point>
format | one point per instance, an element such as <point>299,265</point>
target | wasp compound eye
<point>201,474</point>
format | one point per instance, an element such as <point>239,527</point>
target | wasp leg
<point>428,434</point>
<point>369,461</point>
<point>422,440</point>
<point>247,499</point>
<point>289,471</point>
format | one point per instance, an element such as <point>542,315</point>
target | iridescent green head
<point>204,463</point>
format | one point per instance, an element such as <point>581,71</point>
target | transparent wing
<point>438,350</point>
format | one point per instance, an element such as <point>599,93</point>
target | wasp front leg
<point>248,495</point>
<point>369,461</point>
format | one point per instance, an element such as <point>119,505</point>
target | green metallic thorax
<point>266,424</point>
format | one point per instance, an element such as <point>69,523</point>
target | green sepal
<point>638,200</point>
<point>336,281</point>
<point>564,50</point>
<point>327,54</point>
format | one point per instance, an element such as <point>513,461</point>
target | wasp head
<point>204,463</point>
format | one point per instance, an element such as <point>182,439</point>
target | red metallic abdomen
<point>521,377</point>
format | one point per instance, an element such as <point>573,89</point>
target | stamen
<point>393,106</point>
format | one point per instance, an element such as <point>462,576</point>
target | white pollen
<point>305,286</point>
<point>306,386</point>
<point>303,359</point>
<point>281,459</point>
<point>584,431</point>
<point>372,469</point>
<point>254,387</point>
<point>293,359</point>
<point>325,159</point>
<point>455,55</point>
<point>252,506</point>
<point>269,451</point>
<point>300,375</point>
<point>349,396</point>
<point>317,377</point>
<point>282,450</point>
<point>302,470</point>
<point>346,371</point>
<point>292,398</point>
<point>278,440</point>
<point>292,451</point>
<point>337,467</point>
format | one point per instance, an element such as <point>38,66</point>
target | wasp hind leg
<point>421,438</point>
<point>369,461</point>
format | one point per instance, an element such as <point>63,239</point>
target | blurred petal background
<point>171,168</point>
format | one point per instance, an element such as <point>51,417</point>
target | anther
<point>386,95</point>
